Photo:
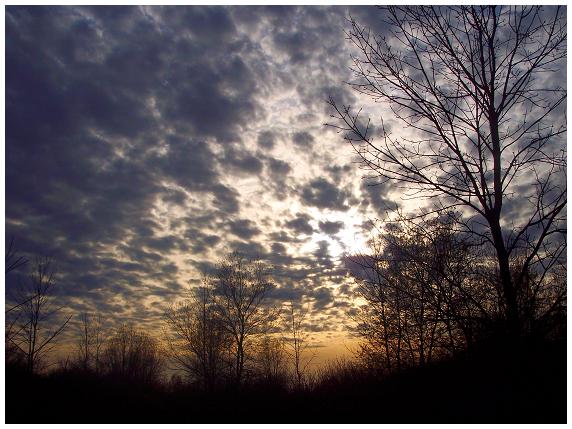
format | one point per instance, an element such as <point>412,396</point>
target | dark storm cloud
<point>135,253</point>
<point>324,194</point>
<point>312,36</point>
<point>282,294</point>
<point>205,107</point>
<point>322,253</point>
<point>338,172</point>
<point>283,237</point>
<point>213,24</point>
<point>323,296</point>
<point>207,84</point>
<point>202,242</point>
<point>278,248</point>
<point>298,45</point>
<point>188,163</point>
<point>278,172</point>
<point>360,267</point>
<point>250,249</point>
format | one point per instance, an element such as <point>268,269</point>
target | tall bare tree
<point>479,95</point>
<point>299,343</point>
<point>240,287</point>
<point>90,341</point>
<point>37,320</point>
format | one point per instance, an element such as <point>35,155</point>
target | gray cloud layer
<point>134,133</point>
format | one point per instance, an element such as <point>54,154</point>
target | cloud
<point>330,228</point>
<point>242,161</point>
<point>376,195</point>
<point>323,297</point>
<point>300,224</point>
<point>278,169</point>
<point>244,228</point>
<point>226,199</point>
<point>322,193</point>
<point>266,139</point>
<point>189,163</point>
<point>303,139</point>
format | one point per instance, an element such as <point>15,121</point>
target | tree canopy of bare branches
<point>35,324</point>
<point>13,261</point>
<point>132,355</point>
<point>478,95</point>
<point>240,287</point>
<point>427,291</point>
<point>197,339</point>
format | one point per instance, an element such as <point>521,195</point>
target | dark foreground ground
<point>487,386</point>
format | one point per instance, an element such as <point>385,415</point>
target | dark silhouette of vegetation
<point>239,287</point>
<point>476,388</point>
<point>428,330</point>
<point>272,361</point>
<point>34,327</point>
<point>431,293</point>
<point>212,333</point>
<point>299,343</point>
<point>90,342</point>
<point>197,341</point>
<point>13,261</point>
<point>132,355</point>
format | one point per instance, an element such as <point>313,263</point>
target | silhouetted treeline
<point>434,348</point>
<point>432,292</point>
<point>481,387</point>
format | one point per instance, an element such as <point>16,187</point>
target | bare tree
<point>13,261</point>
<point>37,327</point>
<point>90,341</point>
<point>197,340</point>
<point>133,355</point>
<point>272,360</point>
<point>299,343</point>
<point>477,93</point>
<point>240,287</point>
<point>426,293</point>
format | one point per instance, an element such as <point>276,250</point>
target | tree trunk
<point>508,287</point>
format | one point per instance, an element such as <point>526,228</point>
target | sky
<point>145,143</point>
